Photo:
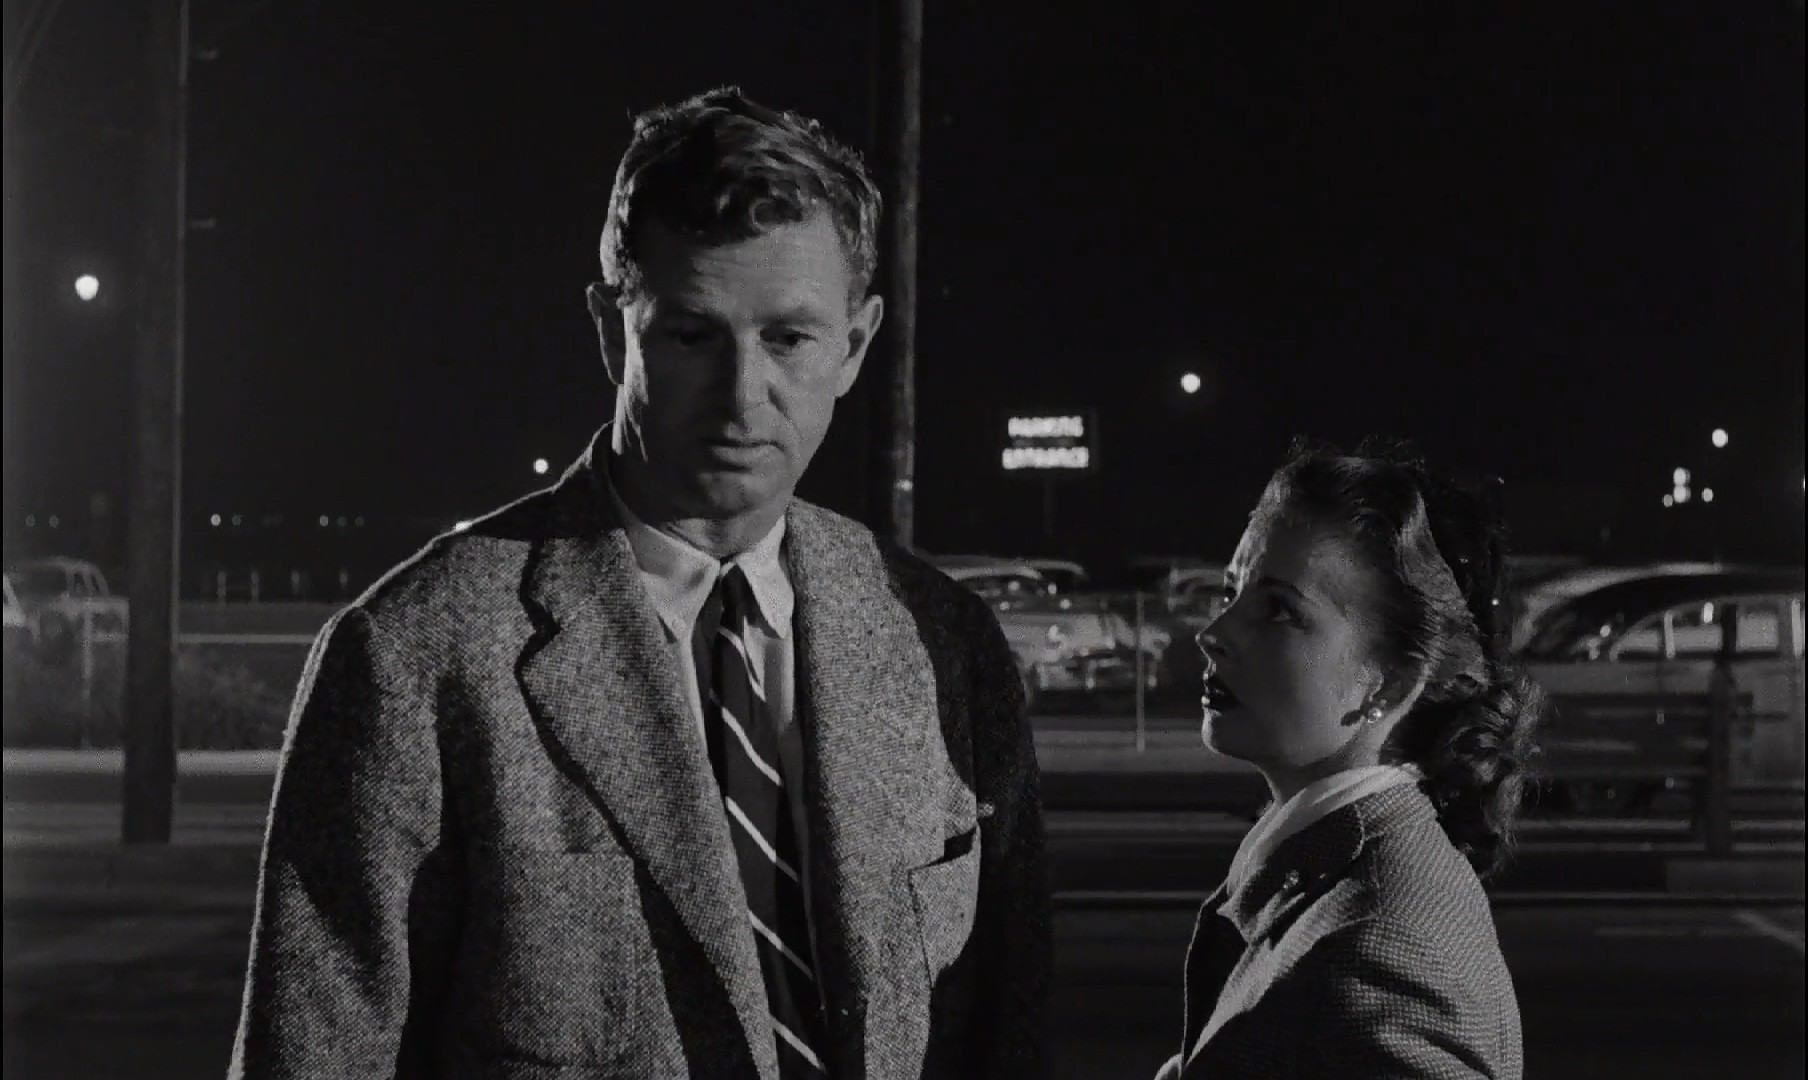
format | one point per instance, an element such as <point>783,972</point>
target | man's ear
<point>862,328</point>
<point>611,336</point>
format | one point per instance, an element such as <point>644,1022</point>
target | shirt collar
<point>680,577</point>
<point>1310,804</point>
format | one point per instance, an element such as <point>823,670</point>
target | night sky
<point>1559,242</point>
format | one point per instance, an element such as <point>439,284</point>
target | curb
<point>1768,875</point>
<point>117,870</point>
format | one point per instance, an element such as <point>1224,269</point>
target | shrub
<point>218,705</point>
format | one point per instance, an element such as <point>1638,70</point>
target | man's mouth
<point>725,443</point>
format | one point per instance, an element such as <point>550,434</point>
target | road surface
<point>1660,995</point>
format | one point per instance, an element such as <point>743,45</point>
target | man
<point>662,772</point>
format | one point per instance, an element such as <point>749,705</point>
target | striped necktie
<point>743,750</point>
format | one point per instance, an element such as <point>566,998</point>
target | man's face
<point>730,362</point>
<point>1289,656</point>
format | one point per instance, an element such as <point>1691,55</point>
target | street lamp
<point>1719,438</point>
<point>1190,383</point>
<point>87,287</point>
<point>540,466</point>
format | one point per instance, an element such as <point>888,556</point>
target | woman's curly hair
<point>1438,552</point>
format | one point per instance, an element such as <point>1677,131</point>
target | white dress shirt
<point>679,579</point>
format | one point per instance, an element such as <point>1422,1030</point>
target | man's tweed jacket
<point>1364,947</point>
<point>496,848</point>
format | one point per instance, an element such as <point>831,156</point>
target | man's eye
<point>1278,611</point>
<point>688,337</point>
<point>788,339</point>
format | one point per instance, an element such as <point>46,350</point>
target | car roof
<point>53,562</point>
<point>947,563</point>
<point>967,573</point>
<point>1639,597</point>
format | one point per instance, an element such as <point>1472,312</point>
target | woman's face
<point>1288,673</point>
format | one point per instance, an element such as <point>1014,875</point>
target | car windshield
<point>1004,585</point>
<point>37,582</point>
<point>1567,633</point>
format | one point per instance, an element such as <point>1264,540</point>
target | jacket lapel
<point>1302,867</point>
<point>868,706</point>
<point>1305,868</point>
<point>600,679</point>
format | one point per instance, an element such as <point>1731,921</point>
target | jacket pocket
<point>946,895</point>
<point>558,961</point>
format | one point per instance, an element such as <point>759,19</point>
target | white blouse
<point>1309,804</point>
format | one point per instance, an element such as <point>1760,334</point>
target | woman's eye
<point>1278,611</point>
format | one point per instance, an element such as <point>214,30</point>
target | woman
<point>1359,666</point>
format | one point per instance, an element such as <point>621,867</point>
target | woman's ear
<point>1395,695</point>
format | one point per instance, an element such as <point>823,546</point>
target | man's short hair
<point>722,168</point>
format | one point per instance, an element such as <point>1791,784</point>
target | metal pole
<point>148,794</point>
<point>898,107</point>
<point>1048,510</point>
<point>87,665</point>
<point>1141,669</point>
<point>1717,811</point>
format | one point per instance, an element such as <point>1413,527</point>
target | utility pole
<point>155,524</point>
<point>898,140</point>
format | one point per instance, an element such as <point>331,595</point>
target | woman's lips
<point>1218,696</point>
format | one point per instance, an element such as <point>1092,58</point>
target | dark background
<point>1557,242</point>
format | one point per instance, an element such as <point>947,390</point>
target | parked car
<point>21,629</point>
<point>1663,634</point>
<point>1064,576</point>
<point>59,596</point>
<point>994,578</point>
<point>1080,646</point>
<point>1067,645</point>
<point>1534,593</point>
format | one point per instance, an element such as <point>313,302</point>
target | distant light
<point>342,522</point>
<point>1680,476</point>
<point>1190,383</point>
<point>1707,612</point>
<point>1719,436</point>
<point>87,287</point>
<point>541,465</point>
<point>1707,494</point>
<point>358,521</point>
<point>55,521</point>
<point>238,519</point>
<point>31,521</point>
<point>1669,501</point>
<point>1681,493</point>
<point>324,520</point>
<point>214,521</point>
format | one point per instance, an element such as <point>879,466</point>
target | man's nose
<point>747,374</point>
